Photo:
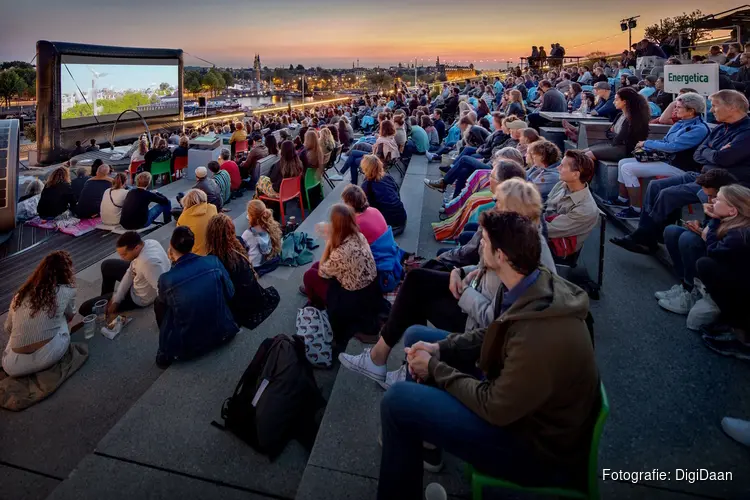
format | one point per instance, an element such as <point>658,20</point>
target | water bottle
<point>292,224</point>
<point>584,109</point>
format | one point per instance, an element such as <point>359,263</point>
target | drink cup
<point>89,326</point>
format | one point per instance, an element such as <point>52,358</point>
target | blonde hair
<point>193,197</point>
<point>372,167</point>
<point>184,141</point>
<point>326,139</point>
<point>737,196</point>
<point>119,181</point>
<point>519,196</point>
<point>143,179</point>
<point>259,215</point>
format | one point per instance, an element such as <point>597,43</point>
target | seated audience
<point>210,186</point>
<point>271,145</point>
<point>28,203</point>
<point>196,212</point>
<point>238,135</point>
<point>528,136</point>
<point>92,146</point>
<point>230,167</point>
<point>82,175</point>
<point>419,141</point>
<point>257,151</point>
<point>538,374</point>
<point>727,147</point>
<point>345,280</point>
<point>192,308</point>
<point>136,213</point>
<point>38,317</point>
<point>542,161</point>
<point>138,271</point>
<point>385,146</point>
<point>383,193</point>
<point>77,150</point>
<point>251,304</point>
<point>57,196</point>
<point>311,154</point>
<point>263,237</point>
<point>370,220</point>
<point>552,100</point>
<point>90,201</point>
<point>181,151</point>
<point>113,200</point>
<point>516,105</point>
<point>605,106</point>
<point>288,166</point>
<point>327,144</point>
<point>159,153</point>
<point>571,212</point>
<point>668,157</point>
<point>669,115</point>
<point>629,128</point>
<point>222,179</point>
<point>432,133</point>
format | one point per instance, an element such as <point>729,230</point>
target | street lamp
<point>627,25</point>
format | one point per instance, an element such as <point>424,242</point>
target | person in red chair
<point>180,151</point>
<point>239,135</point>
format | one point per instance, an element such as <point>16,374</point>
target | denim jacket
<point>196,294</point>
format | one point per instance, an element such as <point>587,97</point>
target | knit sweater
<point>25,329</point>
<point>352,264</point>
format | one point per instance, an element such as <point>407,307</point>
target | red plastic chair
<point>240,147</point>
<point>180,164</point>
<point>290,189</point>
<point>134,168</point>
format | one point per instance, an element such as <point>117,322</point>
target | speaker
<point>202,102</point>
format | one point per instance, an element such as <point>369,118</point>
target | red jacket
<point>234,174</point>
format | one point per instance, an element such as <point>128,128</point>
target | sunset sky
<point>333,33</point>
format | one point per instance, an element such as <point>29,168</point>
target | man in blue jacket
<point>606,105</point>
<point>727,147</point>
<point>192,309</point>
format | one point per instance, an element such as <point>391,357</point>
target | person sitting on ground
<point>28,203</point>
<point>195,214</point>
<point>629,128</point>
<point>345,280</point>
<point>136,213</point>
<point>159,153</point>
<point>432,133</point>
<point>385,146</point>
<point>571,212</point>
<point>288,166</point>
<point>552,100</point>
<point>113,200</point>
<point>370,220</point>
<point>537,366</point>
<point>528,137</point>
<point>419,141</point>
<point>726,147</point>
<point>181,151</point>
<point>77,150</point>
<point>222,180</point>
<point>383,193</point>
<point>191,322</point>
<point>38,317</point>
<point>460,300</point>
<point>82,175</point>
<point>57,196</point>
<point>263,236</point>
<point>542,161</point>
<point>229,166</point>
<point>138,271</point>
<point>92,194</point>
<point>672,155</point>
<point>92,146</point>
<point>251,304</point>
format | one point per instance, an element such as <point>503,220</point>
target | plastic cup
<point>89,326</point>
<point>100,307</point>
<point>435,491</point>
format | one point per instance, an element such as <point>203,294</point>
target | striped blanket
<point>477,181</point>
<point>451,228</point>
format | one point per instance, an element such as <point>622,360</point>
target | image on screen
<point>98,92</point>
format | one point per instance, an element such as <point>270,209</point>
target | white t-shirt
<point>111,207</point>
<point>142,278</point>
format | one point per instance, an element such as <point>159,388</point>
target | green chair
<point>159,168</point>
<point>311,182</point>
<point>479,480</point>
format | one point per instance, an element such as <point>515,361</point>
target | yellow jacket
<point>238,135</point>
<point>196,218</point>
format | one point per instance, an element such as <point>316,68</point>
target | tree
<point>291,67</point>
<point>10,85</point>
<point>16,64</point>
<point>164,86</point>
<point>674,26</point>
<point>300,67</point>
<point>210,82</point>
<point>381,81</point>
<point>192,81</point>
<point>592,57</point>
<point>228,78</point>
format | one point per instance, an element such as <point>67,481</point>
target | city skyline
<point>481,32</point>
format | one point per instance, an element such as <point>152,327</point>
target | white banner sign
<point>703,78</point>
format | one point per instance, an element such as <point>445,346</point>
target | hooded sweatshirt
<point>542,382</point>
<point>196,218</point>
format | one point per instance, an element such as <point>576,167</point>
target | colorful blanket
<point>68,225</point>
<point>451,228</point>
<point>478,181</point>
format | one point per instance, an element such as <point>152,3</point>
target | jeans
<point>112,271</point>
<point>663,198</point>
<point>352,164</point>
<point>461,171</point>
<point>315,286</point>
<point>411,149</point>
<point>728,289</point>
<point>424,296</point>
<point>413,413</point>
<point>685,248</point>
<point>465,237</point>
<point>445,148</point>
<point>466,151</point>
<point>156,210</point>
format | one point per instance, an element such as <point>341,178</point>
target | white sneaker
<point>737,429</point>
<point>393,377</point>
<point>336,177</point>
<point>362,364</point>
<point>679,304</point>
<point>669,293</point>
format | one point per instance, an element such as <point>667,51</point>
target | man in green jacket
<point>517,400</point>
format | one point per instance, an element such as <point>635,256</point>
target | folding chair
<point>133,168</point>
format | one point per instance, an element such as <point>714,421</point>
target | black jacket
<point>496,139</point>
<point>90,201</point>
<point>135,207</point>
<point>626,137</point>
<point>56,200</point>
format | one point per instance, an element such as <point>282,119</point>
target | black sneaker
<point>728,347</point>
<point>632,246</point>
<point>444,168</point>
<point>432,458</point>
<point>616,202</point>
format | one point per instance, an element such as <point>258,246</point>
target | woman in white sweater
<point>112,201</point>
<point>37,322</point>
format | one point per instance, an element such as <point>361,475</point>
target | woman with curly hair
<point>38,318</point>
<point>263,238</point>
<point>251,303</point>
<point>57,196</point>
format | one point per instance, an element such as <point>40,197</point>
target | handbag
<point>646,156</point>
<point>313,326</point>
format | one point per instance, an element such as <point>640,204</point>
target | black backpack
<point>276,399</point>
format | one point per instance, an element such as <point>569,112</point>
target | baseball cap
<point>201,172</point>
<point>515,125</point>
<point>602,86</point>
